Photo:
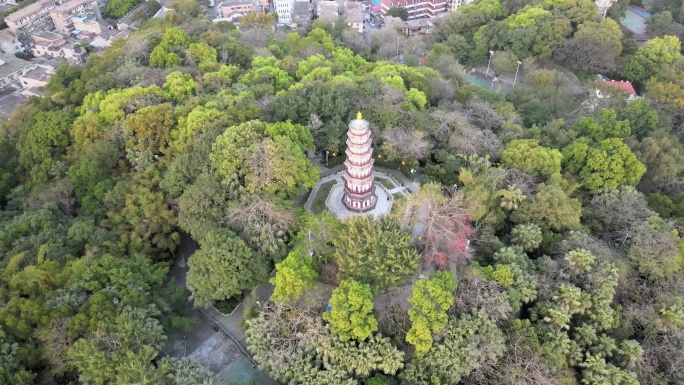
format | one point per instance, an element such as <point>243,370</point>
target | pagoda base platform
<point>335,204</point>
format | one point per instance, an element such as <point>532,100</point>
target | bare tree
<point>522,363</point>
<point>56,342</point>
<point>475,292</point>
<point>440,222</point>
<point>354,41</point>
<point>408,143</point>
<point>259,210</point>
<point>616,212</point>
<point>483,116</point>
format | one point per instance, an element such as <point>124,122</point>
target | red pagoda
<point>359,186</point>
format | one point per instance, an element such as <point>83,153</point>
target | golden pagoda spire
<point>358,116</point>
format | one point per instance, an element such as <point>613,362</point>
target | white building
<point>11,68</point>
<point>9,43</point>
<point>284,10</point>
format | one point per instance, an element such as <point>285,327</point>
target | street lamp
<point>516,73</point>
<point>491,53</point>
<point>326,157</point>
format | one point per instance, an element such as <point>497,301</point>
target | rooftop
<point>614,84</point>
<point>419,23</point>
<point>6,34</point>
<point>47,35</point>
<point>9,102</point>
<point>29,9</point>
<point>328,10</point>
<point>301,13</point>
<point>39,73</point>
<point>354,12</point>
<point>69,5</point>
<point>10,64</point>
<point>235,2</point>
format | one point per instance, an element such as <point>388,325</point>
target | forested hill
<point>575,210</point>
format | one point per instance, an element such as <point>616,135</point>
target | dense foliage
<point>542,247</point>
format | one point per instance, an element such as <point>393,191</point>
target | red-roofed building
<point>606,87</point>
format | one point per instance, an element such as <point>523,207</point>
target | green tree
<point>551,32</point>
<point>618,9</point>
<point>641,117</point>
<point>294,275</point>
<point>663,159</point>
<point>187,7</point>
<point>527,235</point>
<point>399,12</point>
<point>12,371</point>
<point>659,23</point>
<point>43,141</point>
<point>223,267</point>
<point>378,253</point>
<point>606,126</point>
<point>469,343</point>
<point>119,8</point>
<point>179,86</point>
<point>551,207</point>
<point>149,128</point>
<point>606,33</point>
<point>204,55</point>
<point>432,297</point>
<point>317,233</point>
<point>351,315</point>
<point>202,207</point>
<point>651,56</point>
<point>276,165</point>
<point>121,350</point>
<point>606,164</point>
<point>293,345</point>
<point>528,156</point>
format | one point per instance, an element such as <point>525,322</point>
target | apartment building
<point>47,43</point>
<point>32,18</point>
<point>63,15</point>
<point>11,68</point>
<point>284,10</point>
<point>417,9</point>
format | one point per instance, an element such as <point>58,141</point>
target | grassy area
<point>397,195</point>
<point>385,182</point>
<point>318,204</point>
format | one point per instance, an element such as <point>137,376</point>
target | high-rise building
<point>359,186</point>
<point>284,10</point>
